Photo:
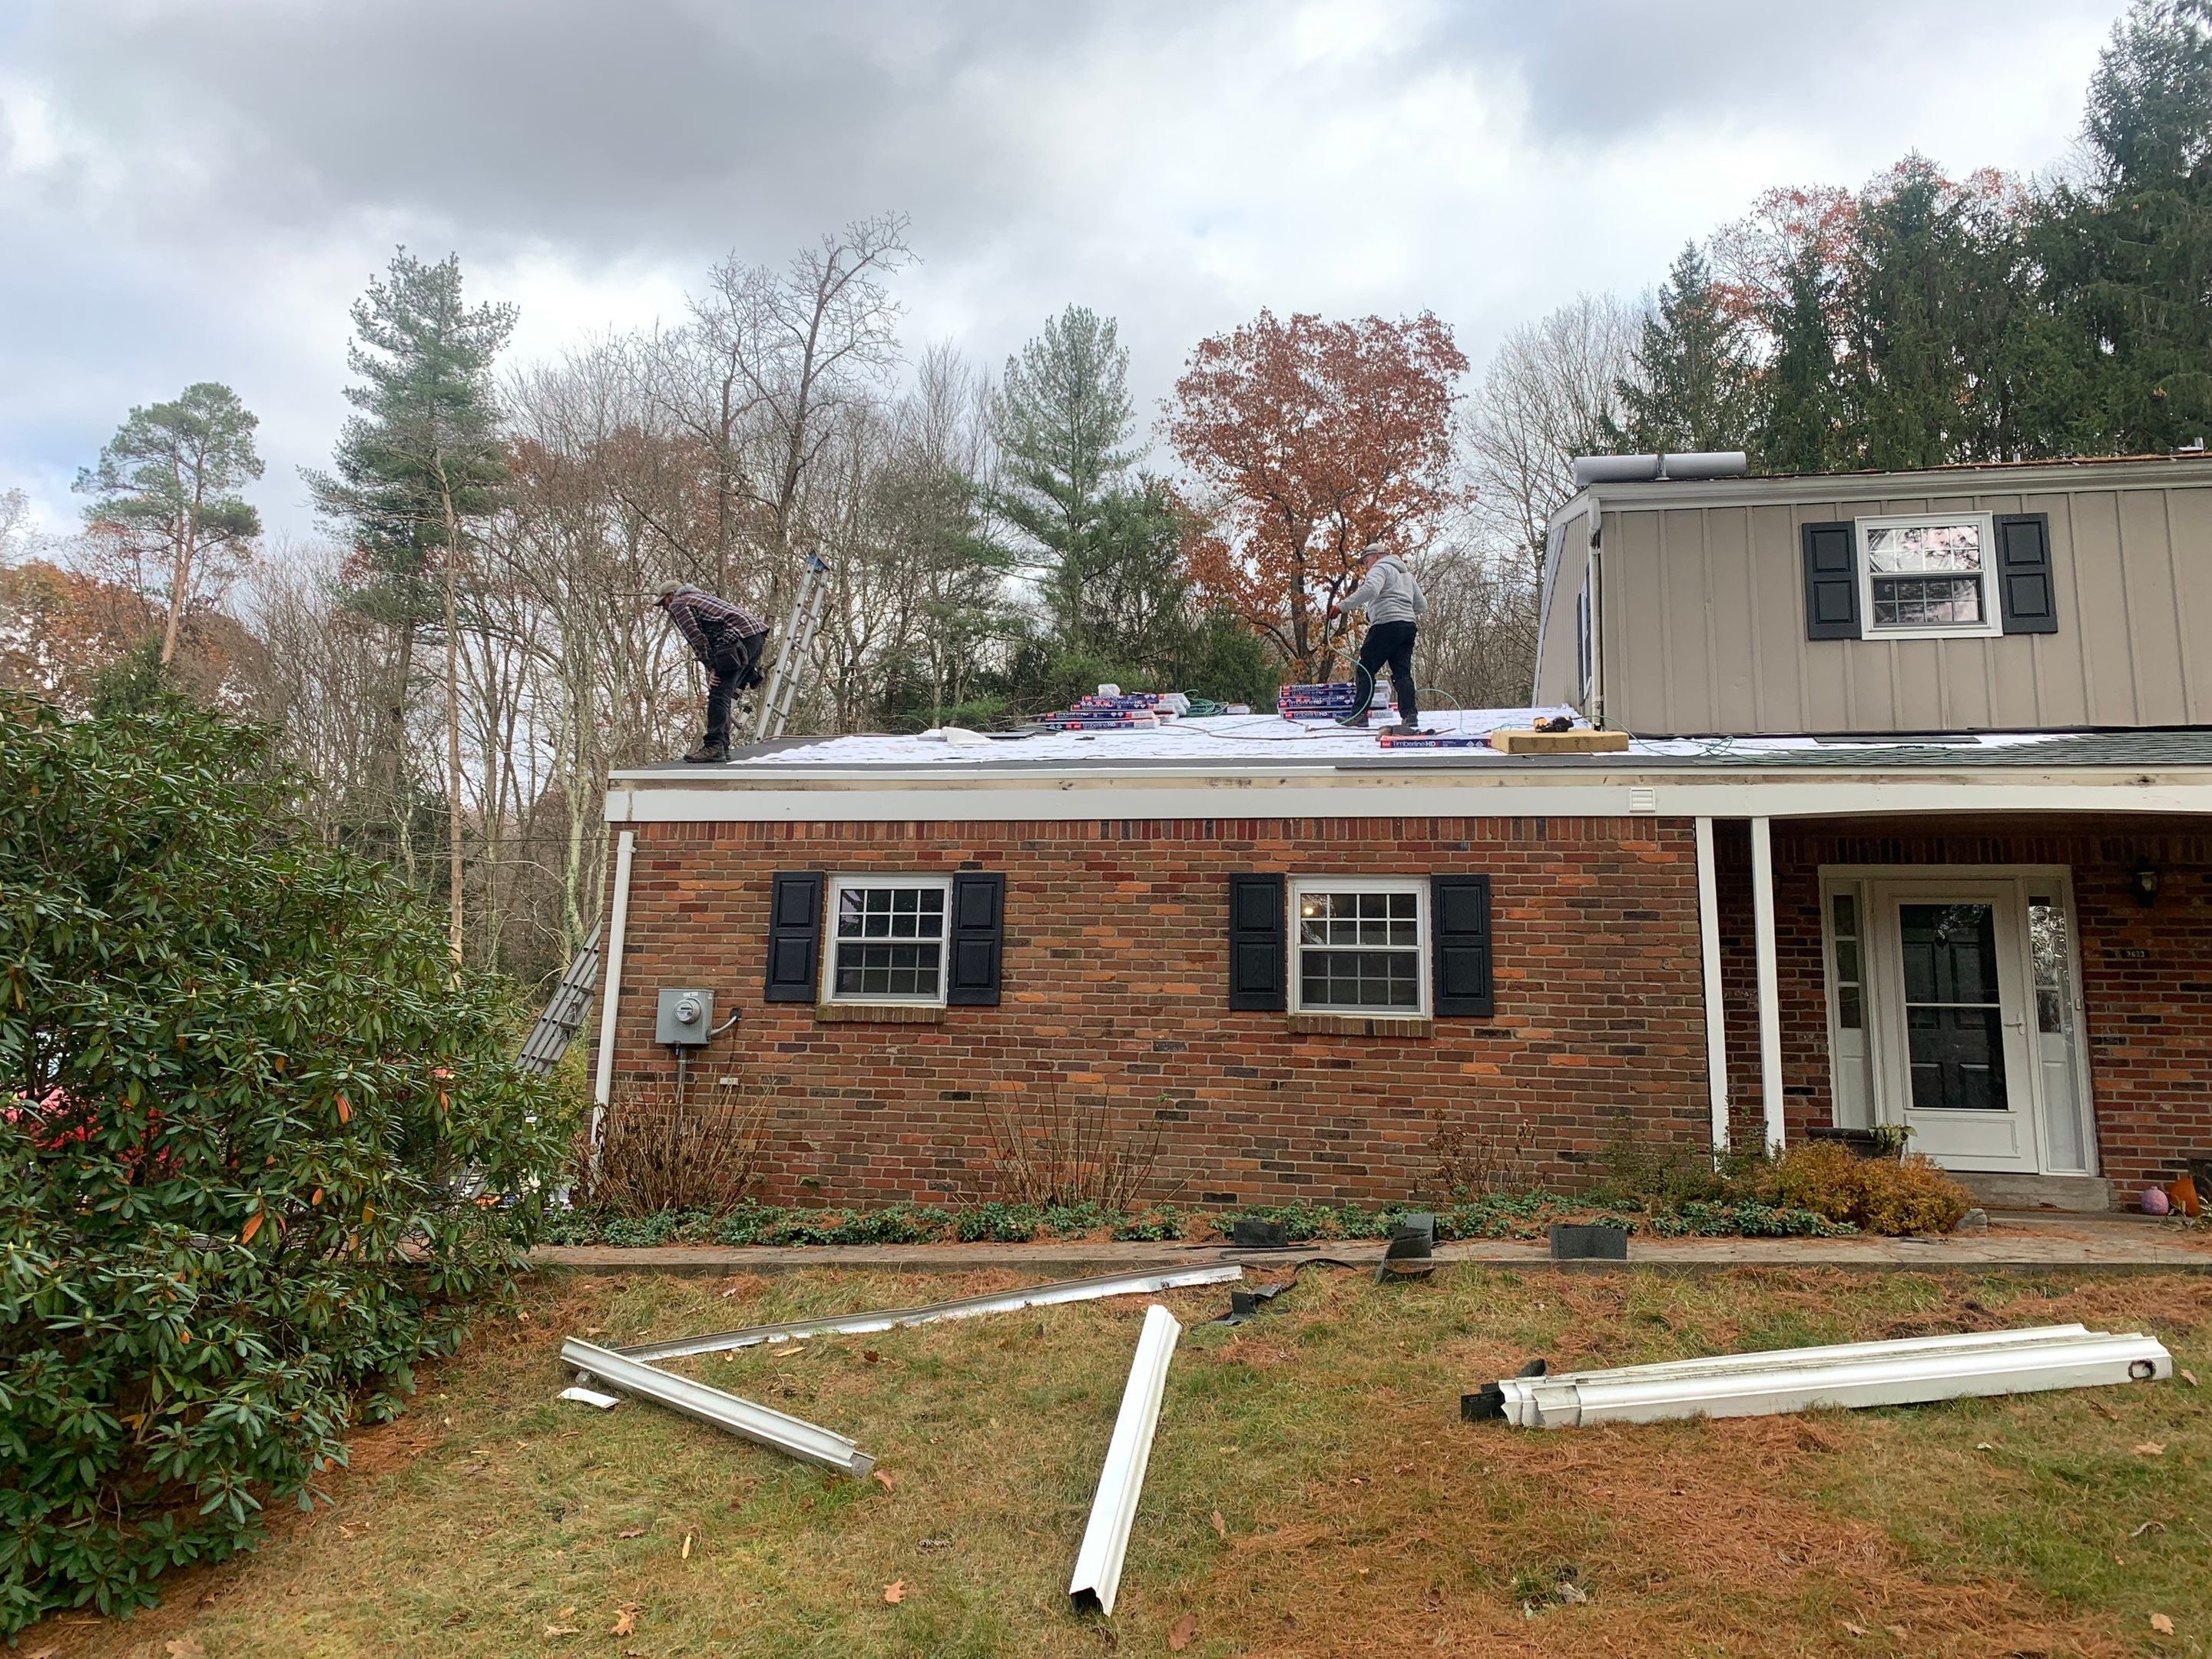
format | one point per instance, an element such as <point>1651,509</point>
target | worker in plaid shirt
<point>729,641</point>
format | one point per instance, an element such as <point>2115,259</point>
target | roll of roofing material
<point>1646,469</point>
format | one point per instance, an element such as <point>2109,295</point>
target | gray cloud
<point>194,189</point>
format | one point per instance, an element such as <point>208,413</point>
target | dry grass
<point>1358,1516</point>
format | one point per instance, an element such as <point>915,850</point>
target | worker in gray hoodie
<point>1393,602</point>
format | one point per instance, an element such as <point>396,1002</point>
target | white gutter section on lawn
<point>1847,1375</point>
<point>1149,1282</point>
<point>1121,1482</point>
<point>795,1438</point>
<point>617,926</point>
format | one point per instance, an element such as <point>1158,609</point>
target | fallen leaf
<point>687,1546</point>
<point>2161,1623</point>
<point>2148,1525</point>
<point>1185,1628</point>
<point>631,1531</point>
<point>2190,1377</point>
<point>885,1480</point>
<point>1983,1446</point>
<point>1898,1631</point>
<point>1220,1527</point>
<point>563,1630</point>
<point>895,1592</point>
<point>1854,1629</point>
<point>183,1647</point>
<point>870,1355</point>
<point>625,1622</point>
<point>2109,1415</point>
<point>2149,1449</point>
<point>566,1612</point>
<point>1574,1595</point>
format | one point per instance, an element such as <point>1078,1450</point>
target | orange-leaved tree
<point>1314,442</point>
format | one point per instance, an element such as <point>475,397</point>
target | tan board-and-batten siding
<point>1704,631</point>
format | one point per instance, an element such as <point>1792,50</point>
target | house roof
<point>1245,743</point>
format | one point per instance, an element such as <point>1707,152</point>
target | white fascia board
<point>794,1437</point>
<point>1121,1481</point>
<point>1149,1282</point>
<point>2054,478</point>
<point>1672,794</point>
<point>2088,1362</point>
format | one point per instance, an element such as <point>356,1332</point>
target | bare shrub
<point>1469,1162</point>
<point>706,1153</point>
<point>1065,1151</point>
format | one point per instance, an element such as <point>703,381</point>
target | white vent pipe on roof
<point>1648,469</point>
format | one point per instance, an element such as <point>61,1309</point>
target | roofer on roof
<point>1392,600</point>
<point>729,641</point>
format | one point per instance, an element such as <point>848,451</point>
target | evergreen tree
<point>418,463</point>
<point>165,487</point>
<point>2128,253</point>
<point>1694,382</point>
<point>1060,420</point>
<point>1799,381</point>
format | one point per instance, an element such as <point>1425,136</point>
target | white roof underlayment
<point>1260,737</point>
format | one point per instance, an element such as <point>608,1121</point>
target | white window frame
<point>1417,885</point>
<point>840,885</point>
<point>1992,622</point>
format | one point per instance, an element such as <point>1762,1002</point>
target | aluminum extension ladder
<point>799,631</point>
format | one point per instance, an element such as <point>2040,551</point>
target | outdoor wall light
<point>2144,882</point>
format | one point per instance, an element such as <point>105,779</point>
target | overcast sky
<point>195,189</point>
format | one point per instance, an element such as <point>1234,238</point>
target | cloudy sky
<point>195,189</point>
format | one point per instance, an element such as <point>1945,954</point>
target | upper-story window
<point>1929,575</point>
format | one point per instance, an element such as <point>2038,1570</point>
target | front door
<point>1958,1067</point>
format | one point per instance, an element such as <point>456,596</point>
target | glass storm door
<point>1959,1059</point>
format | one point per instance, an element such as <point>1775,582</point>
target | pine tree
<point>415,467</point>
<point>166,486</point>
<point>2128,253</point>
<point>1799,380</point>
<point>1694,389</point>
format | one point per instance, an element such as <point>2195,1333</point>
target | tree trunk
<point>453,885</point>
<point>180,585</point>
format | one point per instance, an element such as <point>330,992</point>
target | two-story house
<point>1911,829</point>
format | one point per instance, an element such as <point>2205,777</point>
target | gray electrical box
<point>686,1019</point>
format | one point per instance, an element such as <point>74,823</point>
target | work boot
<point>707,753</point>
<point>1355,722</point>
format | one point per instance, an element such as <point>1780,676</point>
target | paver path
<point>2011,1241</point>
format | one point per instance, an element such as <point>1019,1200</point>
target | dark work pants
<point>732,669</point>
<point>1390,643</point>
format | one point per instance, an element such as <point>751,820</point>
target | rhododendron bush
<point>259,1148</point>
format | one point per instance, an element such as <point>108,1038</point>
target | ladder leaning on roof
<point>806,609</point>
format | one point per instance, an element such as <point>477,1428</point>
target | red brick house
<point>1295,951</point>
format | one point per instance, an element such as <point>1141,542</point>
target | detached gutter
<point>1121,1482</point>
<point>808,1442</point>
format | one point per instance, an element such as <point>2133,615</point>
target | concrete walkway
<point>2030,1242</point>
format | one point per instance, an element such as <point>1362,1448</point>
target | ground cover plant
<point>1311,1490</point>
<point>260,1146</point>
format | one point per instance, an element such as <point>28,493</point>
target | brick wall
<point>1115,988</point>
<point>2147,973</point>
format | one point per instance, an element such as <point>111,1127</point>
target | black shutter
<point>1460,927</point>
<point>2028,593</point>
<point>1831,581</point>
<point>977,944</point>
<point>1257,970</point>
<point>794,939</point>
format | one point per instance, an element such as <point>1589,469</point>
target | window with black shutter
<point>979,913</point>
<point>795,937</point>
<point>1257,945</point>
<point>1458,928</point>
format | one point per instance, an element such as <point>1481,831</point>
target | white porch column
<point>1769,980</point>
<point>611,990</point>
<point>1709,940</point>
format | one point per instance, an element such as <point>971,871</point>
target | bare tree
<point>1548,395</point>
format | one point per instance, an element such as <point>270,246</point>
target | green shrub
<point>260,1147</point>
<point>999,1224</point>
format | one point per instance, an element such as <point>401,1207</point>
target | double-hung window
<point>886,940</point>
<point>1360,946</point>
<point>1928,576</point>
